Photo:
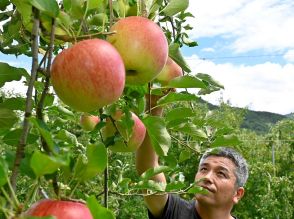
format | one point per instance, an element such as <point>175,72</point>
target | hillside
<point>258,121</point>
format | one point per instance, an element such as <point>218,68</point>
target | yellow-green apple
<point>142,46</point>
<point>88,75</point>
<point>59,209</point>
<point>126,143</point>
<point>170,71</point>
<point>88,122</point>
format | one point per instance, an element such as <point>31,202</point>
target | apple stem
<point>110,13</point>
<point>149,92</point>
<point>28,108</point>
<point>116,128</point>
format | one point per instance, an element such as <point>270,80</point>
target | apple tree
<point>95,65</point>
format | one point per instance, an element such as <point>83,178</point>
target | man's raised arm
<point>147,158</point>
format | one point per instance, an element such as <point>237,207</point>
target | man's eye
<point>222,174</point>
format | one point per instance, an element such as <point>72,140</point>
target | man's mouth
<point>207,188</point>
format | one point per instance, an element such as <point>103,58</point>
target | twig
<point>40,105</point>
<point>67,38</point>
<point>28,110</point>
<point>184,144</point>
<point>110,13</point>
<point>106,189</point>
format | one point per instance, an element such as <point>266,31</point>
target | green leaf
<point>175,53</point>
<point>189,42</point>
<point>226,140</point>
<point>97,157</point>
<point>174,186</point>
<point>179,113</point>
<point>209,80</point>
<point>3,4</point>
<point>97,211</point>
<point>186,81</point>
<point>96,162</point>
<point>3,172</point>
<point>77,8</point>
<point>175,6</point>
<point>190,129</point>
<point>159,136</point>
<point>44,131</point>
<point>150,185</point>
<point>7,118</point>
<point>15,103</point>
<point>176,97</point>
<point>12,137</point>
<point>66,112</point>
<point>44,164</point>
<point>208,90</point>
<point>49,7</point>
<point>92,4</point>
<point>25,9</point>
<point>197,190</point>
<point>9,73</point>
<point>177,122</point>
<point>184,155</point>
<point>25,166</point>
<point>68,137</point>
<point>170,160</point>
<point>154,171</point>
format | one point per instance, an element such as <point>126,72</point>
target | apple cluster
<point>92,73</point>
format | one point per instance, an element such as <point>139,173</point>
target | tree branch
<point>28,109</point>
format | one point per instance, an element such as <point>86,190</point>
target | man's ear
<point>238,194</point>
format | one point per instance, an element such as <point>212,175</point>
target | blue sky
<point>247,45</point>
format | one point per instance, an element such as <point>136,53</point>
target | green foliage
<point>61,160</point>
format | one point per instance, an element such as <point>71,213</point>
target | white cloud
<point>208,49</point>
<point>289,56</point>
<point>17,87</point>
<point>251,24</point>
<point>262,87</point>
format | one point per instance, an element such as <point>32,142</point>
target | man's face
<point>217,174</point>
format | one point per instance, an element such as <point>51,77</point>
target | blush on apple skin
<point>59,209</point>
<point>88,122</point>
<point>88,75</point>
<point>134,141</point>
<point>143,47</point>
<point>170,71</point>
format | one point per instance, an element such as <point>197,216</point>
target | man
<point>222,172</point>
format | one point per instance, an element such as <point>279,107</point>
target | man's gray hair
<point>239,161</point>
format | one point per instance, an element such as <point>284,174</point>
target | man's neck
<point>206,212</point>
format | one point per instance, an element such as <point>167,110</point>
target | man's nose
<point>207,178</point>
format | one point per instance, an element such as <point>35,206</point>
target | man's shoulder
<point>180,208</point>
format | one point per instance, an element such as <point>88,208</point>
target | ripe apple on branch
<point>88,122</point>
<point>88,75</point>
<point>142,46</point>
<point>129,141</point>
<point>59,209</point>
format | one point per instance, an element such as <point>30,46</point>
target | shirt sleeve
<point>172,209</point>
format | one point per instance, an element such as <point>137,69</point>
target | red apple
<point>88,75</point>
<point>170,71</point>
<point>134,141</point>
<point>88,122</point>
<point>142,46</point>
<point>59,209</point>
